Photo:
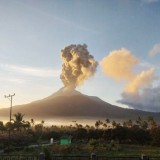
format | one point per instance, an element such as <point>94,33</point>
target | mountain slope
<point>73,103</point>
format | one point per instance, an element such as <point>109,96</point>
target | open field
<point>84,149</point>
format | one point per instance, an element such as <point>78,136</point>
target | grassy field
<point>81,149</point>
<point>135,150</point>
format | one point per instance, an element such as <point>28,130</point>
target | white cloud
<point>31,71</point>
<point>12,79</point>
<point>155,50</point>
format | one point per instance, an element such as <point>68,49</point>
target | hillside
<point>66,103</point>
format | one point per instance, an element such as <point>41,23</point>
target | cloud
<point>119,64</point>
<point>12,80</point>
<point>140,93</point>
<point>31,71</point>
<point>148,99</point>
<point>141,80</point>
<point>155,50</point>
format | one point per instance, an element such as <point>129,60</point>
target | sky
<point>122,35</point>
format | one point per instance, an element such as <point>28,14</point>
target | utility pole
<point>10,97</point>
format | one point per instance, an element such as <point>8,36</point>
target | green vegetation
<point>105,138</point>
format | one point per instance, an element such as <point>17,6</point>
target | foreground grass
<point>135,150</point>
<point>81,149</point>
<point>147,150</point>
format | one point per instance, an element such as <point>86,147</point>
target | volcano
<point>71,103</point>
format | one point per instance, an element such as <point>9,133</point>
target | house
<point>65,140</point>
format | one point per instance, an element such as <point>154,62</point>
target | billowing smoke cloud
<point>78,65</point>
<point>155,50</point>
<point>138,92</point>
<point>119,64</point>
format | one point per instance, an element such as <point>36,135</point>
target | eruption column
<point>78,65</point>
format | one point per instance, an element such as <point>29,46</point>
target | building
<point>65,140</point>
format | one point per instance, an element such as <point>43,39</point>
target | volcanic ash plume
<point>119,64</point>
<point>78,65</point>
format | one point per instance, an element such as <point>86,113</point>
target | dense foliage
<point>104,136</point>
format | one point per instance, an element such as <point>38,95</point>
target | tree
<point>78,125</point>
<point>87,126</point>
<point>32,122</point>
<point>27,125</point>
<point>42,122</point>
<point>144,125</point>
<point>129,123</point>
<point>9,125</point>
<point>124,124</point>
<point>105,125</point>
<point>98,123</point>
<point>139,121</point>
<point>152,122</point>
<point>2,127</point>
<point>81,133</point>
<point>114,124</point>
<point>155,135</point>
<point>18,122</point>
<point>107,120</point>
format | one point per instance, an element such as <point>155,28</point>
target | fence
<point>73,157</point>
<point>69,157</point>
<point>19,157</point>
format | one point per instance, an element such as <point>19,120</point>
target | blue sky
<point>32,34</point>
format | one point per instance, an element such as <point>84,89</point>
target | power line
<point>10,97</point>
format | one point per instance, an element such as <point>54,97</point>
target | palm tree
<point>105,125</point>
<point>144,125</point>
<point>107,120</point>
<point>114,124</point>
<point>27,125</point>
<point>87,126</point>
<point>124,124</point>
<point>18,122</point>
<point>152,122</point>
<point>42,122</point>
<point>98,123</point>
<point>2,127</point>
<point>129,123</point>
<point>32,122</point>
<point>79,125</point>
<point>9,126</point>
<point>139,121</point>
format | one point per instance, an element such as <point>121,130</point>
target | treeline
<point>23,133</point>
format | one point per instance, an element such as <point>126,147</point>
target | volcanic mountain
<point>71,103</point>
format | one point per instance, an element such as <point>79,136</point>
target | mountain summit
<point>68,102</point>
<point>65,91</point>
